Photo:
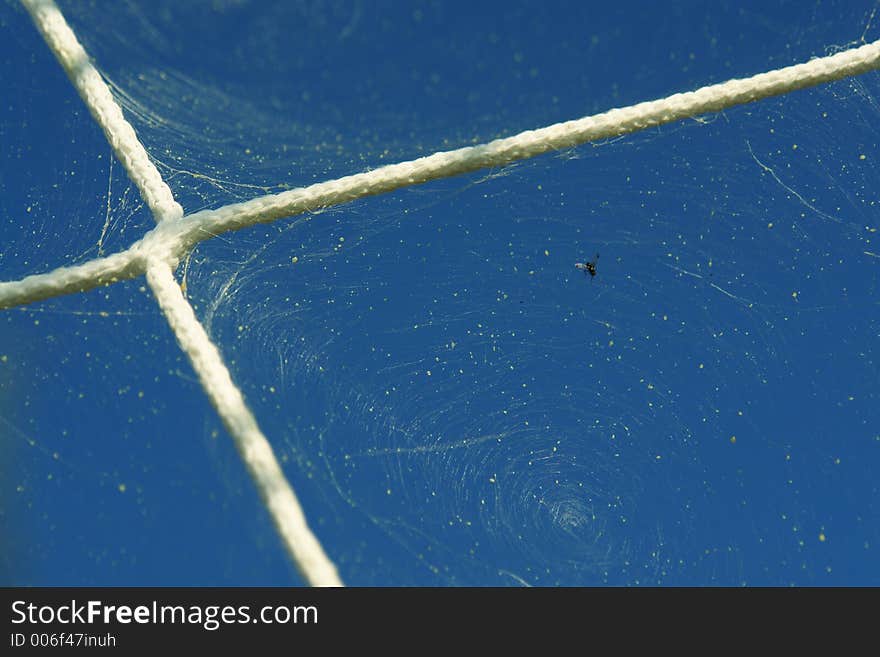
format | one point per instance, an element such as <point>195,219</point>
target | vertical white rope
<point>97,97</point>
<point>255,450</point>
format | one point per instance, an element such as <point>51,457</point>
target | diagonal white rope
<point>97,97</point>
<point>255,450</point>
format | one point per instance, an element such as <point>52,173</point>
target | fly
<point>588,267</point>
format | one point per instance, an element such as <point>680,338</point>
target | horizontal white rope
<point>65,280</point>
<point>256,452</point>
<point>613,123</point>
<point>98,98</point>
<point>175,238</point>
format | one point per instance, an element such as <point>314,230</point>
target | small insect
<point>588,267</point>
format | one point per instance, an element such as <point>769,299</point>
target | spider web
<point>451,400</point>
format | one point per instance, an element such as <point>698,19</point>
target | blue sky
<point>453,401</point>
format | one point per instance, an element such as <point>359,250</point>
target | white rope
<point>155,258</point>
<point>97,97</point>
<point>256,452</point>
<point>177,237</point>
<point>201,225</point>
<point>65,280</point>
